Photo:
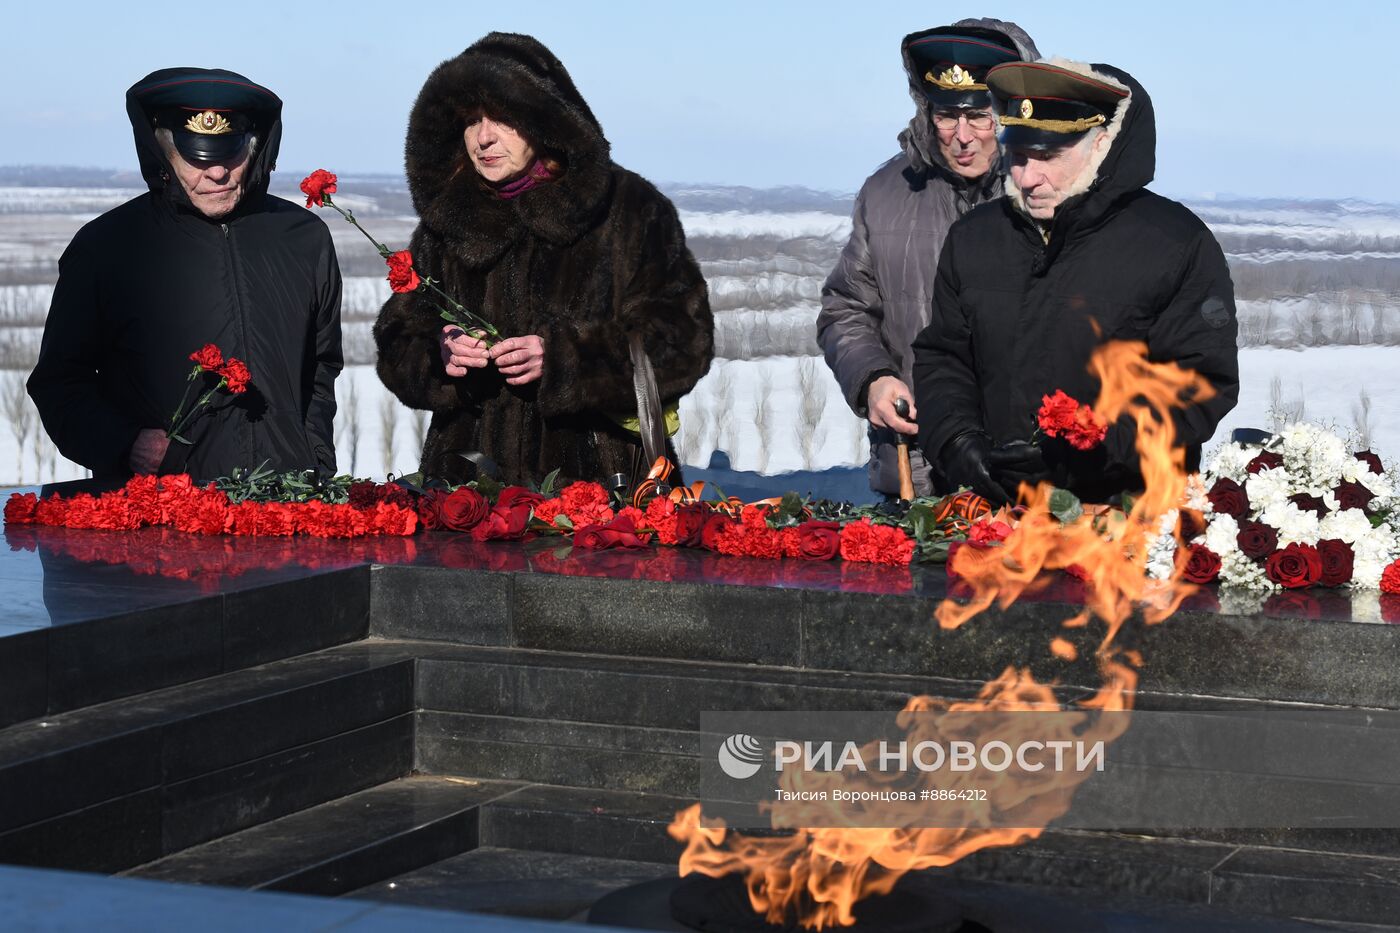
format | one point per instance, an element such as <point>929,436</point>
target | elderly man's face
<point>498,152</point>
<point>214,188</point>
<point>967,139</point>
<point>1045,177</point>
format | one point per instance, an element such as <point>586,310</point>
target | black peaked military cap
<point>211,113</point>
<point>954,66</point>
<point>1045,106</point>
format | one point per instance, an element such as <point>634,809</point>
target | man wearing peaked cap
<point>205,256</point>
<point>877,298</point>
<point>1076,254</point>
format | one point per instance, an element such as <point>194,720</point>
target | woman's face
<point>497,151</point>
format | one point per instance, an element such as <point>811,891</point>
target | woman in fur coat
<point>525,220</point>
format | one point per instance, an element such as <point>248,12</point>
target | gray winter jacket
<point>878,298</point>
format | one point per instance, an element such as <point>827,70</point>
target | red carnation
<point>621,532</point>
<point>1056,413</point>
<point>988,533</point>
<point>586,504</point>
<point>714,526</point>
<point>661,515</point>
<point>317,186</point>
<point>1088,430</point>
<point>550,509</point>
<point>209,357</point>
<point>463,509</point>
<point>1295,566</point>
<point>1228,497</point>
<point>877,544</point>
<point>1337,558</point>
<point>1390,578</point>
<point>1202,564</point>
<point>1256,540</point>
<point>20,508</point>
<point>236,374</point>
<point>402,276</point>
<point>752,538</point>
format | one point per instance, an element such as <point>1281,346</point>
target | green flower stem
<point>182,423</point>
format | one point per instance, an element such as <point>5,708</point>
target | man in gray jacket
<point>877,299</point>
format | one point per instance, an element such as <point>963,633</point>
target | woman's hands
<point>520,359</point>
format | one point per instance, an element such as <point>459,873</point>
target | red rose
<point>430,509</point>
<point>1295,566</point>
<point>1353,495</point>
<point>1202,564</point>
<point>1228,497</point>
<point>463,509</point>
<point>1309,503</point>
<point>316,186</point>
<point>209,357</point>
<point>715,525</point>
<point>402,276</point>
<point>1371,460</point>
<point>1056,413</point>
<point>1256,540</point>
<point>621,532</point>
<point>236,375</point>
<point>19,509</point>
<point>1265,460</point>
<point>508,524</point>
<point>814,541</point>
<point>690,521</point>
<point>1337,557</point>
<point>1294,604</point>
<point>512,496</point>
<point>1390,578</point>
<point>1192,524</point>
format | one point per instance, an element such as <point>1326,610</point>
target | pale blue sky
<point>1253,98</point>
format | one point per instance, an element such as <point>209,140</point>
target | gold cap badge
<point>208,123</point>
<point>956,78</point>
<point>1027,109</point>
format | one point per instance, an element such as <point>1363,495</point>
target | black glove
<point>964,461</point>
<point>1015,463</point>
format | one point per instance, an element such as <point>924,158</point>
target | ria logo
<point>741,756</point>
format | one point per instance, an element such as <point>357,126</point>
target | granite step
<point>345,844</point>
<point>122,783</point>
<point>1320,887</point>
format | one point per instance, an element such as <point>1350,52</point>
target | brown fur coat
<point>583,261</point>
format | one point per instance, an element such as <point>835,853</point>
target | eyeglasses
<point>976,119</point>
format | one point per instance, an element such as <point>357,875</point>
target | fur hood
<point>919,140</point>
<point>1126,164</point>
<point>516,79</point>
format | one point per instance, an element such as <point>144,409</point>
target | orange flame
<point>817,874</point>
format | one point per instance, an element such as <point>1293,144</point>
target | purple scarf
<point>538,174</point>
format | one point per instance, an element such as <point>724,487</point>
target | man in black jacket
<point>206,256</point>
<point>1077,254</point>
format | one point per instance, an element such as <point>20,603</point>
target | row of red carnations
<point>583,511</point>
<point>176,502</point>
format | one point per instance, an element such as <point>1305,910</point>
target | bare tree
<point>388,424</point>
<point>761,420</point>
<point>1361,419</point>
<point>811,406</point>
<point>20,415</point>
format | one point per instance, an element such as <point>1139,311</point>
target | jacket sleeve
<point>945,375</point>
<point>1197,330</point>
<point>67,385</point>
<point>848,327</point>
<point>406,337</point>
<point>659,291</point>
<point>320,414</point>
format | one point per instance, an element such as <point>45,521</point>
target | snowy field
<point>1319,312</point>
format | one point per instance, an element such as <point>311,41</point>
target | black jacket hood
<point>516,79</point>
<point>919,140</point>
<point>155,167</point>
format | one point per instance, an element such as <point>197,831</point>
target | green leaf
<point>488,487</point>
<point>921,521</point>
<point>563,521</point>
<point>547,487</point>
<point>182,440</point>
<point>1065,506</point>
<point>1128,501</point>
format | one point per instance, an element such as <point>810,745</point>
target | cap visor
<point>196,147</point>
<point>1030,137</point>
<point>958,100</point>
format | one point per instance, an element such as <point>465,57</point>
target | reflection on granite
<point>52,576</point>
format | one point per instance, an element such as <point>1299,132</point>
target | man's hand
<point>520,359</point>
<point>880,398</point>
<point>148,450</point>
<point>1018,462</point>
<point>461,351</point>
<point>965,462</point>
